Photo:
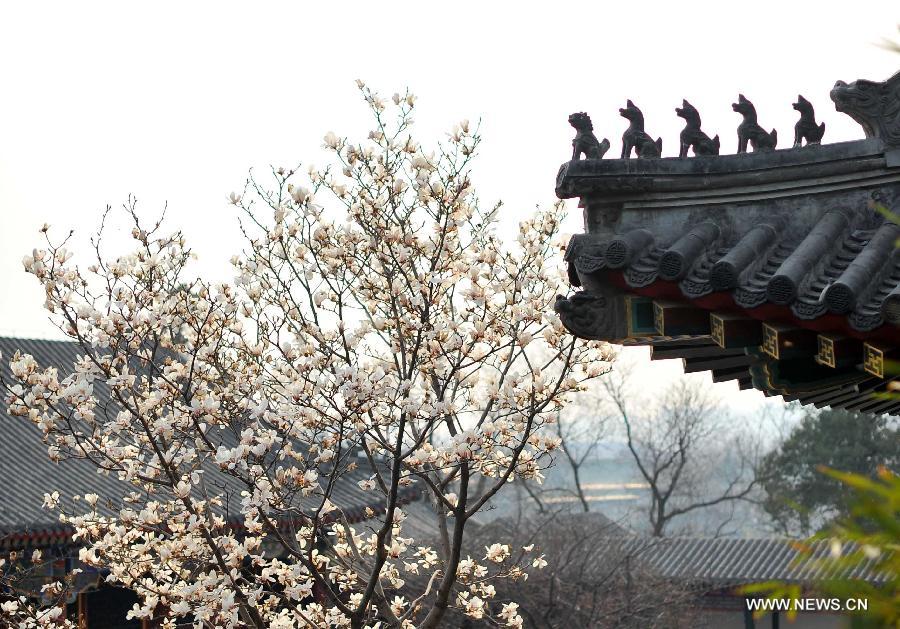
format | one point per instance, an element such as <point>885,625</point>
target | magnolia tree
<point>378,331</point>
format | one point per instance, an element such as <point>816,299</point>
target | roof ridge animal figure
<point>806,128</point>
<point>749,130</point>
<point>874,105</point>
<point>635,137</point>
<point>585,142</point>
<point>692,136</point>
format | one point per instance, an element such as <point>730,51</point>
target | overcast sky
<point>175,102</point>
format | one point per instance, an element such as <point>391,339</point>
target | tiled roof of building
<point>25,466</point>
<point>734,561</point>
<point>856,270</point>
<point>28,472</point>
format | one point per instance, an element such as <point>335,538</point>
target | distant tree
<point>798,496</point>
<point>686,451</point>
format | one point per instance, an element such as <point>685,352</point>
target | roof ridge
<point>28,339</point>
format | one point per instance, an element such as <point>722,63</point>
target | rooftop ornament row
<point>867,102</point>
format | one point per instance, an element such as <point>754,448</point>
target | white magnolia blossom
<point>394,337</point>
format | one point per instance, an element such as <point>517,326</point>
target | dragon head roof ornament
<point>874,105</point>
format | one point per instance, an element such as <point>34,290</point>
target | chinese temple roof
<point>778,268</point>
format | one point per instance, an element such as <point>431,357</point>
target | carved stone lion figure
<point>585,142</point>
